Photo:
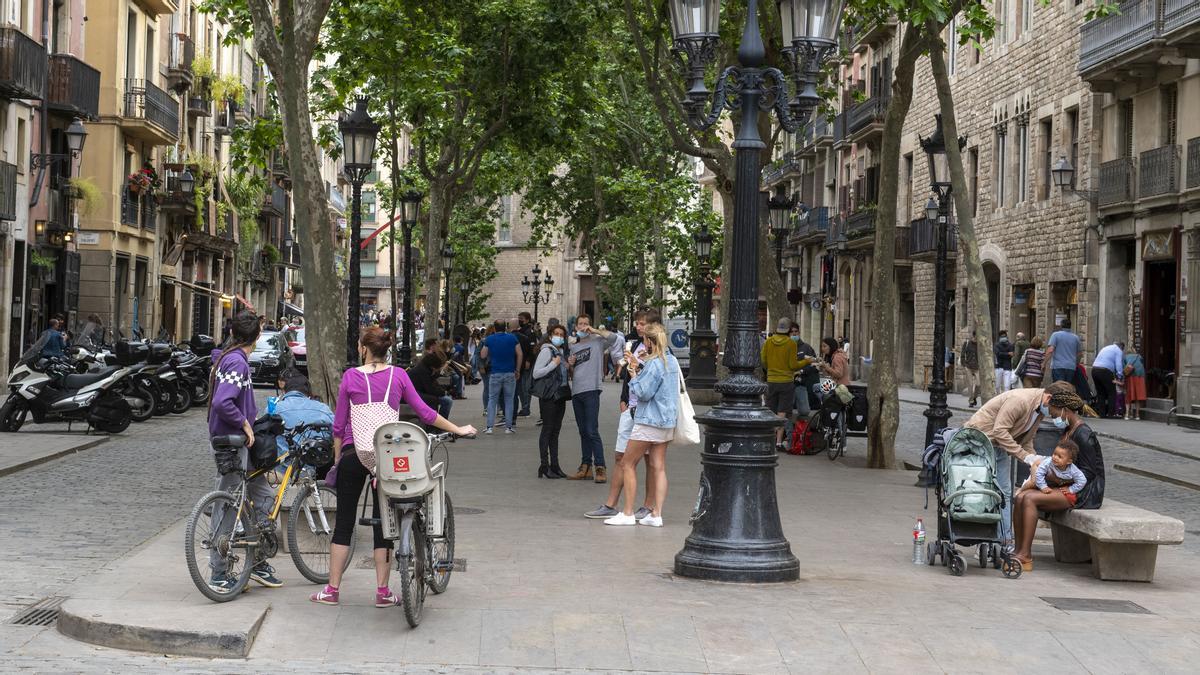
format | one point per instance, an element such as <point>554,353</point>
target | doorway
<point>906,341</point>
<point>1023,314</point>
<point>1158,327</point>
<point>991,274</point>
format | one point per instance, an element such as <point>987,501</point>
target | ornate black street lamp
<point>531,289</point>
<point>358,146</point>
<point>447,268</point>
<point>464,292</point>
<point>736,532</point>
<point>702,374</point>
<point>937,212</point>
<point>410,210</point>
<point>780,205</point>
<point>632,278</point>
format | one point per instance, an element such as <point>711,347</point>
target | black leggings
<point>351,476</point>
<point>552,419</point>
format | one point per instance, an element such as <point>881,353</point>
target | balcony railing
<point>839,128</point>
<point>199,106</point>
<point>275,201</point>
<point>922,240</point>
<point>23,65</point>
<point>860,224</point>
<point>74,87</point>
<point>1179,13</point>
<point>1116,182</point>
<point>774,173</point>
<point>868,112</point>
<point>143,100</point>
<point>1104,38</point>
<point>129,209</point>
<point>148,218</point>
<point>1158,171</point>
<point>1193,163</point>
<point>8,191</point>
<point>815,224</point>
<point>902,240</point>
<point>833,232</point>
<point>183,52</point>
<point>175,199</point>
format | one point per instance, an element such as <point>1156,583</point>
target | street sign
<point>88,238</point>
<point>679,338</point>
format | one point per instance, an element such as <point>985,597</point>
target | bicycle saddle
<point>229,441</point>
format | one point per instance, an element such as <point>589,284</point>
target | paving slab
<point>19,451</point>
<point>546,588</point>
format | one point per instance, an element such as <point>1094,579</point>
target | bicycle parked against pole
<point>223,534</point>
<point>415,509</point>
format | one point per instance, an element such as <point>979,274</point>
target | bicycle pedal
<point>443,567</point>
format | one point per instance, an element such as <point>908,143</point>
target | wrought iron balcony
<point>8,191</point>
<point>149,213</point>
<point>833,233</point>
<point>279,165</point>
<point>1117,35</point>
<point>275,202</point>
<point>860,224</point>
<point>1178,15</point>
<point>23,66</point>
<point>922,240</point>
<point>175,200</point>
<point>1158,172</point>
<point>865,114</point>
<point>151,114</point>
<point>1116,182</point>
<point>199,106</point>
<point>74,87</point>
<point>839,129</point>
<point>813,227</point>
<point>903,235</point>
<point>179,61</point>
<point>1193,163</point>
<point>775,173</point>
<point>129,208</point>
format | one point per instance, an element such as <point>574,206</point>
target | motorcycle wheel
<point>164,398</point>
<point>200,391</point>
<point>12,415</point>
<point>182,401</point>
<point>121,416</point>
<point>146,410</point>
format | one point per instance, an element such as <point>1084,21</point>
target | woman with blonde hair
<point>655,381</point>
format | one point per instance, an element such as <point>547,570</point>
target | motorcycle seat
<point>83,380</point>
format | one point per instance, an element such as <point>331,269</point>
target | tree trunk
<point>968,244</point>
<point>883,410</point>
<point>771,283</point>
<point>394,176</point>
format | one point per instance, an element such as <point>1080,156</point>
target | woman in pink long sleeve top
<point>374,381</point>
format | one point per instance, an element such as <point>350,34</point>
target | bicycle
<point>835,434</point>
<point>415,510</point>
<point>223,532</point>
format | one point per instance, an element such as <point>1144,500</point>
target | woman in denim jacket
<point>656,385</point>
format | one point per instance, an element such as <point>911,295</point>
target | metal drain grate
<point>1097,605</point>
<point>467,511</point>
<point>43,613</point>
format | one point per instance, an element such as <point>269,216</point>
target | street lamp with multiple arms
<point>410,210</point>
<point>531,289</point>
<point>358,145</point>
<point>736,532</point>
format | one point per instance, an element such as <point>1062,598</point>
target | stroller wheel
<point>997,558</point>
<point>984,551</point>
<point>958,565</point>
<point>1012,568</point>
<point>931,550</point>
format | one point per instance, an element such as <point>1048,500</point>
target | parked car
<point>270,357</point>
<point>299,347</point>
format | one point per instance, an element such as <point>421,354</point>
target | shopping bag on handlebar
<point>264,451</point>
<point>366,417</point>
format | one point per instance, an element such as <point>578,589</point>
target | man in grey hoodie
<point>587,372</point>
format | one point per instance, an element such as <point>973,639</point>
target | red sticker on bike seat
<point>400,464</point>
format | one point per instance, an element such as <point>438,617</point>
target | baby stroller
<point>969,500</point>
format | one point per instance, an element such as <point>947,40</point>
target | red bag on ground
<point>802,439</point>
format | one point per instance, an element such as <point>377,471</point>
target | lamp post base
<point>736,533</point>
<point>702,371</point>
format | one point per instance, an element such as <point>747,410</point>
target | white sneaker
<point>510,430</point>
<point>651,520</point>
<point>621,519</point>
<point>488,430</point>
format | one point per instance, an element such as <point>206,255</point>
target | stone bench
<point>1120,540</point>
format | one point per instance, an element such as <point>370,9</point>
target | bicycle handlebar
<point>448,437</point>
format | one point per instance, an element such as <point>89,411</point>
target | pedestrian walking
<point>1032,363</point>
<point>369,394</point>
<point>552,404</point>
<point>970,361</point>
<point>656,386</point>
<point>1107,369</point>
<point>780,359</point>
<point>1003,351</point>
<point>504,356</point>
<point>1020,346</point>
<point>528,339</point>
<point>1135,384</point>
<point>591,348</point>
<point>232,410</point>
<point>1062,352</point>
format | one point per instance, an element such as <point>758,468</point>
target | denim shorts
<point>624,428</point>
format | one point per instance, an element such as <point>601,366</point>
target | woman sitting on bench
<point>1066,411</point>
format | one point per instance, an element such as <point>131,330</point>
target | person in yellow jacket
<point>781,361</point>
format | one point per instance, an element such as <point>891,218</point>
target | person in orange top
<point>837,364</point>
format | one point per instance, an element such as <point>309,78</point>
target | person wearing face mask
<point>551,357</point>
<point>780,359</point>
<point>808,376</point>
<point>1010,421</point>
<point>1067,411</point>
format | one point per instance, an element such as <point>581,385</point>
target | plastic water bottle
<point>271,401</point>
<point>919,543</point>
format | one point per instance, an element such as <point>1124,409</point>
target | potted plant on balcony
<point>271,254</point>
<point>87,195</point>
<point>229,87</point>
<point>202,68</point>
<point>144,179</point>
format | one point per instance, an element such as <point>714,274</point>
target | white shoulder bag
<point>687,430</point>
<point>365,418</point>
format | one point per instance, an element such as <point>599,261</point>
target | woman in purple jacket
<point>364,384</point>
<point>232,411</point>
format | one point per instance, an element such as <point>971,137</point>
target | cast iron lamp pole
<point>447,268</point>
<point>703,355</point>
<point>410,204</point>
<point>464,289</point>
<point>736,532</point>
<point>531,289</point>
<point>632,278</point>
<point>937,211</point>
<point>358,144</point>
<point>780,205</point>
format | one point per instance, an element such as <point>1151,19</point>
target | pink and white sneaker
<point>325,596</point>
<point>385,598</point>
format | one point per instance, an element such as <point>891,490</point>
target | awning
<point>288,309</point>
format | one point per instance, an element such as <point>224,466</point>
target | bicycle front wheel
<point>412,576</point>
<point>214,544</point>
<point>310,531</point>
<point>442,552</point>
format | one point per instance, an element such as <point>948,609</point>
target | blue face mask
<point>1044,410</point>
<point>1060,422</point>
<point>557,341</point>
<point>795,338</point>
